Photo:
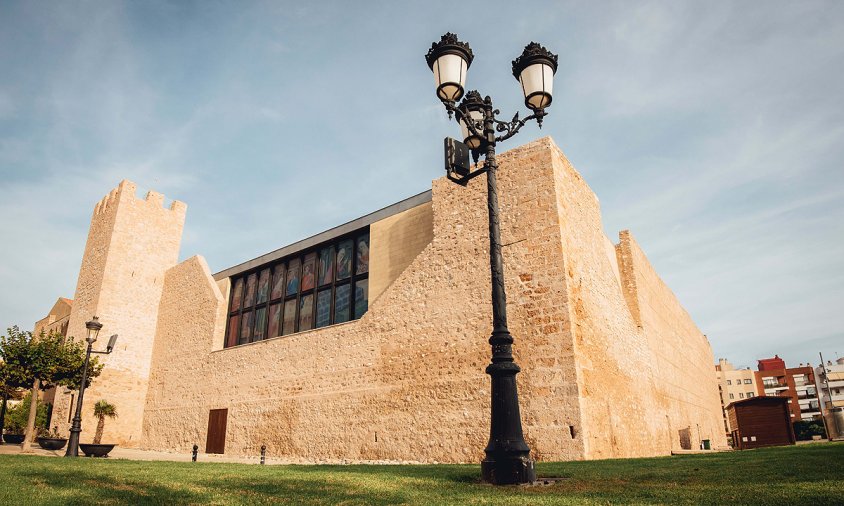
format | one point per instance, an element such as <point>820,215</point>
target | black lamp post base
<point>73,443</point>
<point>517,470</point>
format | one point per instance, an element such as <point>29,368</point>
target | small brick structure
<point>761,421</point>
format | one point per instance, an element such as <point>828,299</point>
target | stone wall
<point>613,366</point>
<point>131,243</point>
<point>56,320</point>
<point>394,243</point>
<point>685,386</point>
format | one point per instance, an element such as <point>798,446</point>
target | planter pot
<point>49,443</point>
<point>14,439</point>
<point>92,450</point>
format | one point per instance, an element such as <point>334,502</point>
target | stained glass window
<point>323,308</point>
<point>249,299</point>
<point>344,259</point>
<point>293,277</point>
<point>237,294</point>
<point>361,297</point>
<point>326,265</point>
<point>309,272</point>
<point>278,282</point>
<point>306,312</point>
<point>234,323</point>
<point>289,325</point>
<point>341,303</point>
<point>263,286</point>
<point>246,328</point>
<point>362,255</point>
<point>261,324</point>
<point>309,289</point>
<point>275,320</point>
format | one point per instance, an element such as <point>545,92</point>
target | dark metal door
<point>216,441</point>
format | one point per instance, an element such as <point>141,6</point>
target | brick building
<point>797,384</point>
<point>369,340</point>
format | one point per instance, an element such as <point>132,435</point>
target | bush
<point>805,429</point>
<point>17,416</point>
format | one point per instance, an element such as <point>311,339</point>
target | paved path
<point>135,454</point>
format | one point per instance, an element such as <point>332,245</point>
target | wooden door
<point>216,441</point>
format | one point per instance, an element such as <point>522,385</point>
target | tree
<point>43,362</point>
<point>14,354</point>
<point>7,393</point>
<point>102,409</point>
<point>805,429</point>
<point>16,416</point>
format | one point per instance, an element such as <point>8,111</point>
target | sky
<point>714,131</point>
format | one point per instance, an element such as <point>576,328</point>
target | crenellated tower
<point>131,243</point>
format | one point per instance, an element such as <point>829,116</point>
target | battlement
<point>132,242</point>
<point>127,190</point>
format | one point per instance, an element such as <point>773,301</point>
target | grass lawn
<point>806,474</point>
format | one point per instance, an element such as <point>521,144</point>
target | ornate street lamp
<point>93,327</point>
<point>449,59</point>
<point>507,455</point>
<point>535,70</point>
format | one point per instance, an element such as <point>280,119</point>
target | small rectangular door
<point>216,441</point>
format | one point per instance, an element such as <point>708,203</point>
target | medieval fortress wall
<point>131,243</point>
<point>612,364</point>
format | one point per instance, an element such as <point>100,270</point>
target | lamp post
<point>507,455</point>
<point>93,327</point>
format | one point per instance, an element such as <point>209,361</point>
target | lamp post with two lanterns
<point>507,455</point>
<point>93,327</point>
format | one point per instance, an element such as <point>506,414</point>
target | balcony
<point>775,389</point>
<point>811,406</point>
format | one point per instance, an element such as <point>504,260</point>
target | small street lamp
<point>507,455</point>
<point>93,327</point>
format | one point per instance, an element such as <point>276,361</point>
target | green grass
<point>806,474</point>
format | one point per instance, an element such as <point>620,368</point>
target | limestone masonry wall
<point>643,367</point>
<point>686,386</point>
<point>131,243</point>
<point>612,364</point>
<point>56,320</point>
<point>394,243</point>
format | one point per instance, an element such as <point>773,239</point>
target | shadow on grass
<point>303,491</point>
<point>457,473</point>
<point>80,487</point>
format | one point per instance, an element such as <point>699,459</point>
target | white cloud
<point>711,130</point>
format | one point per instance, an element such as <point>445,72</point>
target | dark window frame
<point>351,280</point>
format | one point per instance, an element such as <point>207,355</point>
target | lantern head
<point>535,70</point>
<point>449,59</point>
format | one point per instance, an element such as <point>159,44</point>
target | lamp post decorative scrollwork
<point>507,455</point>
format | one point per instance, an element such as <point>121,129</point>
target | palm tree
<point>103,409</point>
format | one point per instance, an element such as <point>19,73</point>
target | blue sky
<point>713,130</point>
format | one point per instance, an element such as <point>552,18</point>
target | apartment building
<point>829,379</point>
<point>733,385</point>
<point>774,379</point>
